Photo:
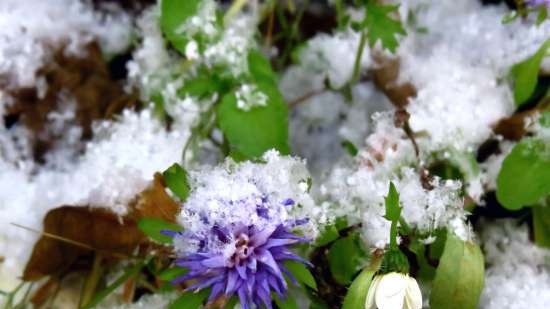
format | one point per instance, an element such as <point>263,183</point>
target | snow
<point>518,272</point>
<point>31,30</point>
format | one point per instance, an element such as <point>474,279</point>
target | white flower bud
<point>394,291</point>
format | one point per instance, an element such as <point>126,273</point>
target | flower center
<point>242,249</point>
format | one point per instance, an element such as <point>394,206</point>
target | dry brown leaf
<point>86,79</point>
<point>385,77</point>
<point>96,228</point>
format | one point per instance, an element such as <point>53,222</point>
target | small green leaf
<point>288,303</point>
<point>357,293</point>
<point>350,148</point>
<point>381,27</point>
<point>170,274</point>
<point>542,14</point>
<point>541,225</point>
<point>526,74</point>
<point>175,178</point>
<point>524,177</point>
<point>190,300</point>
<point>346,257</point>
<point>301,273</point>
<point>393,210</point>
<point>173,14</point>
<point>459,277</point>
<point>251,133</point>
<point>153,227</point>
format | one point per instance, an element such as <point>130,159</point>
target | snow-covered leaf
<point>173,14</point>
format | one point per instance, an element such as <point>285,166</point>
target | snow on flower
<point>358,188</point>
<point>239,223</point>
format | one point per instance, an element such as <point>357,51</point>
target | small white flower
<point>192,50</point>
<point>394,291</point>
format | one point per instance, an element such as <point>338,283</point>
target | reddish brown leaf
<point>385,77</point>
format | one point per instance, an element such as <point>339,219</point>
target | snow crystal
<point>333,56</point>
<point>276,183</point>
<point>28,40</point>
<point>248,97</point>
<point>358,188</point>
<point>118,163</point>
<point>518,272</point>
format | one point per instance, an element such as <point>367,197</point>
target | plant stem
<point>358,56</point>
<point>393,235</point>
<point>92,280</point>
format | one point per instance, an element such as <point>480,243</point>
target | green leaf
<point>153,227</point>
<point>170,274</point>
<point>288,303</point>
<point>346,257</point>
<point>251,133</point>
<point>128,273</point>
<point>459,277</point>
<point>357,292</point>
<point>173,14</point>
<point>541,225</point>
<point>524,177</point>
<point>393,210</point>
<point>260,68</point>
<point>350,148</point>
<point>526,73</point>
<point>301,273</point>
<point>175,178</point>
<point>381,27</point>
<point>542,14</point>
<point>190,300</point>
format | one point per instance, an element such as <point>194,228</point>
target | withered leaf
<point>385,77</point>
<point>96,228</point>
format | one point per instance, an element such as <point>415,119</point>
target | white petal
<point>390,293</point>
<point>369,303</point>
<point>413,296</point>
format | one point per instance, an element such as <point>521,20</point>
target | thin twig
<point>305,97</point>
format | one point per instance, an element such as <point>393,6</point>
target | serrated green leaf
<point>173,14</point>
<point>357,292</point>
<point>459,277</point>
<point>524,177</point>
<point>301,273</point>
<point>153,227</point>
<point>175,178</point>
<point>541,225</point>
<point>189,300</point>
<point>393,210</point>
<point>382,27</point>
<point>346,257</point>
<point>251,133</point>
<point>526,73</point>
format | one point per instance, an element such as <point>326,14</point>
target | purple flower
<point>242,260</point>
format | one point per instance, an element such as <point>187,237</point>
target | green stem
<point>91,281</point>
<point>393,235</point>
<point>358,56</point>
